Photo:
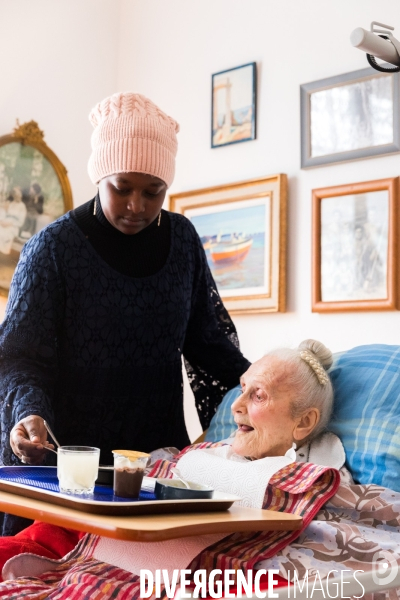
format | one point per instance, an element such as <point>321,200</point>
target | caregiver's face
<point>131,201</point>
<point>262,412</point>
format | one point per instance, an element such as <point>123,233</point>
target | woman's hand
<point>28,439</point>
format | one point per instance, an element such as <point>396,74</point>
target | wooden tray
<point>151,528</point>
<point>41,483</point>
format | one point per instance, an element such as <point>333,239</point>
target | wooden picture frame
<point>34,191</point>
<point>243,229</point>
<point>233,105</point>
<point>355,246</point>
<point>349,117</point>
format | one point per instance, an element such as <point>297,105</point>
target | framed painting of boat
<point>242,227</point>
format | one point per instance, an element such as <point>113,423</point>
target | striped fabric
<point>299,488</point>
<point>162,468</point>
<point>366,416</point>
<point>80,578</point>
<point>222,423</point>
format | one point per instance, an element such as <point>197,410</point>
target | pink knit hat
<point>131,134</point>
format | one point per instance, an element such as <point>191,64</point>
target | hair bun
<point>321,352</point>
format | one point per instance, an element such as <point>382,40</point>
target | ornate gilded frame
<point>209,206</point>
<point>27,134</point>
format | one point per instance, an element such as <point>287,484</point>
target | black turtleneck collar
<point>139,255</point>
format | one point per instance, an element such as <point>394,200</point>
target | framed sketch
<point>243,230</point>
<point>34,191</point>
<point>233,114</point>
<point>349,117</point>
<point>355,247</point>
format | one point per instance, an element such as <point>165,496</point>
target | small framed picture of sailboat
<point>242,227</point>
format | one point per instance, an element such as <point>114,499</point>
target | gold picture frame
<point>355,247</point>
<point>34,191</point>
<point>243,230</point>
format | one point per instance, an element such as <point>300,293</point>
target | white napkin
<point>167,554</point>
<point>225,471</point>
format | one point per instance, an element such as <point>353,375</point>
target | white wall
<point>169,51</point>
<point>57,60</point>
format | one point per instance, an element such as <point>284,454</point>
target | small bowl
<point>173,489</point>
<point>106,475</point>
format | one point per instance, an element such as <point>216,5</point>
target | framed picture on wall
<point>349,117</point>
<point>233,114</point>
<point>242,227</point>
<point>355,247</point>
<point>34,191</point>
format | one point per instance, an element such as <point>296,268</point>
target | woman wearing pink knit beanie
<point>133,149</point>
<point>105,302</point>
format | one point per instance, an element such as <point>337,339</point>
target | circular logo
<point>385,567</point>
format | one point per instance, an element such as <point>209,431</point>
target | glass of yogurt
<point>77,469</point>
<point>129,467</point>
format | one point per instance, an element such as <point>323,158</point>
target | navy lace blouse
<point>98,353</point>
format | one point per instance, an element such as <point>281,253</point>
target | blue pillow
<point>222,423</point>
<point>366,413</point>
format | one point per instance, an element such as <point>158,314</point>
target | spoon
<point>52,435</point>
<point>178,476</point>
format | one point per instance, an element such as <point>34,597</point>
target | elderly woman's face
<point>131,201</point>
<point>262,413</point>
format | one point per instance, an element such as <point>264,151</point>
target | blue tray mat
<point>45,478</point>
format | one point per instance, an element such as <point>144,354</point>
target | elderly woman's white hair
<point>306,373</point>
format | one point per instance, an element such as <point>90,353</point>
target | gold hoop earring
<point>159,220</point>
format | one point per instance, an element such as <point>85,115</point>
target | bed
<point>359,528</point>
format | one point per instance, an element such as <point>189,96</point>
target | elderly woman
<point>286,400</point>
<point>281,416</point>
<point>289,396</point>
<point>107,300</point>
